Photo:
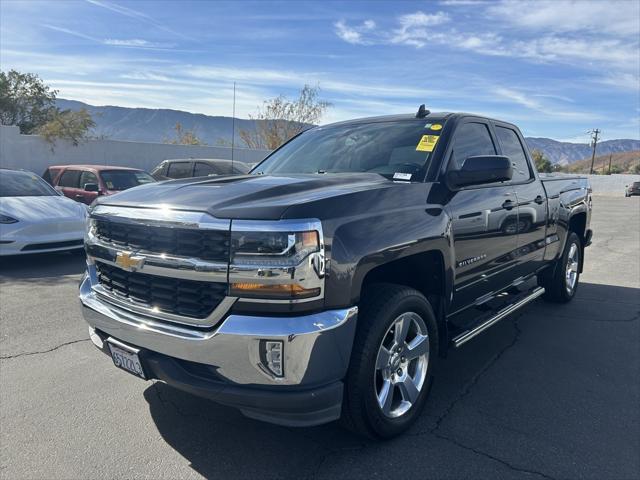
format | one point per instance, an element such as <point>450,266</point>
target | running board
<point>464,337</point>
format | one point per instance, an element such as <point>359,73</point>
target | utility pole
<point>594,142</point>
<point>233,126</point>
<point>610,155</point>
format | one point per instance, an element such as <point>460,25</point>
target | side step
<point>464,337</point>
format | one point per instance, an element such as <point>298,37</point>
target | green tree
<point>73,126</point>
<point>543,164</point>
<point>25,101</point>
<point>184,136</point>
<point>281,119</point>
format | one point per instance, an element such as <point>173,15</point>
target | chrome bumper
<point>317,347</point>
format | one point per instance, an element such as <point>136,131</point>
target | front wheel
<point>562,284</point>
<point>390,371</point>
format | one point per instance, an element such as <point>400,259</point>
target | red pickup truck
<point>85,183</point>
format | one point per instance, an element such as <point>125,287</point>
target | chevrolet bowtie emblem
<point>128,261</point>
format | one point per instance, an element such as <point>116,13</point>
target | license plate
<point>127,359</point>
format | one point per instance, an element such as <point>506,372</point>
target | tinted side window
<point>512,148</point>
<point>69,178</point>
<point>87,177</point>
<point>50,174</point>
<point>471,139</point>
<point>204,169</point>
<point>179,170</point>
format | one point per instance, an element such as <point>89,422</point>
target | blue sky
<point>556,68</point>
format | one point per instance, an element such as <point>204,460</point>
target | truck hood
<point>259,197</point>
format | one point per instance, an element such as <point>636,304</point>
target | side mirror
<point>482,169</point>
<point>91,187</point>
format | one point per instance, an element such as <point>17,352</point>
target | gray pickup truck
<point>326,283</point>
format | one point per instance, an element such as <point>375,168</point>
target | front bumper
<point>24,237</point>
<point>316,352</point>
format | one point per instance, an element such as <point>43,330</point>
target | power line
<point>594,143</point>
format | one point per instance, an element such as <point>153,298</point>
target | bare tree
<point>280,119</point>
<point>184,136</point>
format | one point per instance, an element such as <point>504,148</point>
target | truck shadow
<point>219,442</point>
<point>42,267</point>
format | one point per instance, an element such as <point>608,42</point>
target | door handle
<point>78,196</point>
<point>539,200</point>
<point>508,204</point>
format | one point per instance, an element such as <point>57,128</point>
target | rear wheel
<point>390,370</point>
<point>561,285</point>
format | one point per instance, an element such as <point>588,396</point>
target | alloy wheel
<point>401,364</point>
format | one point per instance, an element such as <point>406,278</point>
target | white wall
<point>32,152</point>
<point>611,185</point>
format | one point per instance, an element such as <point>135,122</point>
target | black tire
<point>555,282</point>
<point>381,306</point>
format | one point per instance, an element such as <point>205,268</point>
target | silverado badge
<point>129,262</point>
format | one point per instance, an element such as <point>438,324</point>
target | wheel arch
<point>427,272</point>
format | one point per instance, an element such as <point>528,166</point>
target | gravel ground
<point>552,391</point>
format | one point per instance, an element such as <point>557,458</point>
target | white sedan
<point>35,218</point>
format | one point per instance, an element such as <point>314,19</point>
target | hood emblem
<point>128,261</point>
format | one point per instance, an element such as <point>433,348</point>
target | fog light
<point>272,356</point>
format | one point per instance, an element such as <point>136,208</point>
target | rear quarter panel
<point>568,196</point>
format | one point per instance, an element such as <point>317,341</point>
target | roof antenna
<point>422,112</point>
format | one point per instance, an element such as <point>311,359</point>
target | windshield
<point>23,184</point>
<point>387,148</point>
<point>124,179</point>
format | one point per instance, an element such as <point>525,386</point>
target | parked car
<point>328,284</point>
<point>35,218</point>
<point>633,189</point>
<point>197,167</point>
<point>85,183</point>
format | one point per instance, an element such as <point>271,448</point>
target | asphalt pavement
<point>550,392</point>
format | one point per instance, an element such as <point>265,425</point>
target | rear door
<point>69,184</point>
<point>202,169</point>
<point>484,248</point>
<point>531,198</point>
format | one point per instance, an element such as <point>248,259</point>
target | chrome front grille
<point>204,244</point>
<point>165,264</point>
<point>187,298</point>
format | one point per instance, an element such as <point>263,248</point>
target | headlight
<point>277,264</point>
<point>7,219</point>
<point>277,249</point>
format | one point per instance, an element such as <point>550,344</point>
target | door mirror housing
<point>91,187</point>
<point>480,170</point>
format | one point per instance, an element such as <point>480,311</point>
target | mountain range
<point>157,125</point>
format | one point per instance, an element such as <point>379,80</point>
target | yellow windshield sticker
<point>436,126</point>
<point>427,143</point>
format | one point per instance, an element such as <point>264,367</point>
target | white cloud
<point>135,14</point>
<point>354,34</point>
<point>529,101</point>
<point>622,80</point>
<point>620,18</point>
<point>132,42</point>
<point>71,32</point>
<point>413,29</point>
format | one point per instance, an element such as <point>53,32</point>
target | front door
<point>69,183</point>
<point>88,177</point>
<point>484,239</point>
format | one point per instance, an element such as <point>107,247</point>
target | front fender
<point>363,243</point>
